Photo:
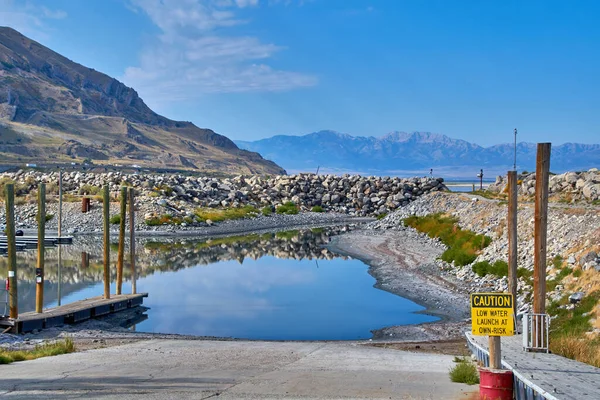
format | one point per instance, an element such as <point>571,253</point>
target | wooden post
<point>132,239</point>
<point>85,260</point>
<point>60,196</point>
<point>123,215</point>
<point>39,271</point>
<point>542,174</point>
<point>495,352</point>
<point>12,251</point>
<point>106,203</point>
<point>512,237</point>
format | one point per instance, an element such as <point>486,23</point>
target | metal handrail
<point>536,328</point>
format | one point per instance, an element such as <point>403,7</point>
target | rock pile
<point>572,185</point>
<point>349,194</point>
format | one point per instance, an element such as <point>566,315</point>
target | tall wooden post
<point>512,236</point>
<point>495,352</point>
<point>106,204</point>
<point>39,271</point>
<point>123,216</point>
<point>132,239</point>
<point>12,251</point>
<point>60,196</point>
<point>542,174</point>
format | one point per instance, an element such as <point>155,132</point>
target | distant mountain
<point>401,151</point>
<point>53,110</point>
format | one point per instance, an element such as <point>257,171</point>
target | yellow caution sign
<point>492,314</point>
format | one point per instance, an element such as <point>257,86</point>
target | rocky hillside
<point>53,110</point>
<point>573,243</point>
<point>411,151</point>
<point>567,187</point>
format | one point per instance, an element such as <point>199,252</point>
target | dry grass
<point>44,350</point>
<point>577,348</point>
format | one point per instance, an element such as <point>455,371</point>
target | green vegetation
<point>381,216</point>
<point>44,350</point>
<point>115,219</point>
<point>317,209</point>
<point>266,211</point>
<point>223,214</point>
<point>287,208</point>
<point>558,278</point>
<point>90,190</point>
<point>489,195</point>
<point>464,372</point>
<point>568,328</point>
<point>49,217</point>
<point>287,235</point>
<point>166,219</point>
<point>498,268</point>
<point>463,245</point>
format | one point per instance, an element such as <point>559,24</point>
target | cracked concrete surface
<point>182,369</point>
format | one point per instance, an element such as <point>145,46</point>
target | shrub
<point>49,217</point>
<point>266,211</point>
<point>223,214</point>
<point>464,372</point>
<point>381,216</point>
<point>498,268</point>
<point>317,209</point>
<point>115,219</point>
<point>287,208</point>
<point>463,245</point>
<point>90,190</point>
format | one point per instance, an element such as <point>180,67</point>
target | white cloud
<point>27,18</point>
<point>195,55</point>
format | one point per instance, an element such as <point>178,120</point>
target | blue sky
<point>255,68</point>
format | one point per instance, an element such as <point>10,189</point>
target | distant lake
<point>283,286</point>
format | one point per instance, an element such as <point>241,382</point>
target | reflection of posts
<point>59,278</point>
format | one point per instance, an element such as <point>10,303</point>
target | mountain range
<point>53,110</point>
<point>417,151</point>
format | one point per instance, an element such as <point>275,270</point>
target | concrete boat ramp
<point>199,369</point>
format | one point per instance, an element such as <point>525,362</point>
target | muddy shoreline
<point>404,263</point>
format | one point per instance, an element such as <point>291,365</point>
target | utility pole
<point>132,239</point>
<point>515,165</point>
<point>106,210</point>
<point>39,271</point>
<point>512,236</point>
<point>542,173</point>
<point>123,216</point>
<point>12,251</point>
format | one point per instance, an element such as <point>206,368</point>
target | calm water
<point>283,286</point>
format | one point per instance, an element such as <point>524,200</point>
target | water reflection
<point>272,286</point>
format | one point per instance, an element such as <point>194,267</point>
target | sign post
<point>492,315</point>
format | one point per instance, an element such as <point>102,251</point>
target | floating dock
<point>72,313</point>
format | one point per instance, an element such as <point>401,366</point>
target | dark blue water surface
<point>267,298</point>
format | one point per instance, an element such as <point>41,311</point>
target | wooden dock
<point>72,313</point>
<point>541,375</point>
